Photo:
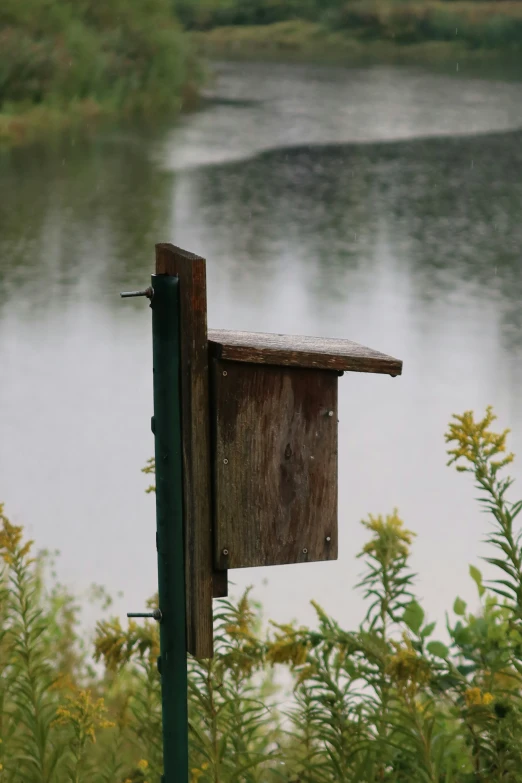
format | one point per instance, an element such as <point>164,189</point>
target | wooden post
<point>190,269</point>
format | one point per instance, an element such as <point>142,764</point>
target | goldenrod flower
<point>84,715</point>
<point>391,539</point>
<point>476,443</point>
<point>11,539</point>
<point>288,647</point>
<point>408,670</point>
<point>475,698</point>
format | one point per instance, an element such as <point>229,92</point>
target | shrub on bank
<point>476,24</point>
<point>121,55</point>
<point>389,701</point>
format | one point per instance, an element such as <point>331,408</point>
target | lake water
<point>382,205</point>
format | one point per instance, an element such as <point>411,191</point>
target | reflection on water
<point>293,106</point>
<point>411,245</point>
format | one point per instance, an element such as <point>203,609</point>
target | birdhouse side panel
<point>275,464</point>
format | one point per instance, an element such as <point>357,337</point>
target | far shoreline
<point>307,42</point>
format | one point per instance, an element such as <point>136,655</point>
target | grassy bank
<point>64,63</point>
<point>365,31</point>
<point>309,42</point>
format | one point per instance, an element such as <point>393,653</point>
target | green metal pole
<point>169,519</point>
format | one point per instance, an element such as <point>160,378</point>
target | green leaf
<point>477,578</point>
<point>462,635</point>
<point>438,649</point>
<point>466,669</point>
<point>413,616</point>
<point>459,607</point>
<point>428,630</point>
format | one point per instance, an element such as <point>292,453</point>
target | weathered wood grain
<point>190,269</point>
<point>275,464</point>
<point>294,351</point>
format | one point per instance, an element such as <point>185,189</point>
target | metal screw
<point>330,413</point>
<point>225,552</point>
<point>148,292</point>
<point>225,462</point>
<point>225,373</point>
<point>305,551</point>
<point>328,539</point>
<point>155,615</point>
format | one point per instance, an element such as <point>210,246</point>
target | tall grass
<point>391,700</point>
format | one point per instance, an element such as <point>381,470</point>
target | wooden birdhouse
<point>260,443</point>
<point>274,444</point>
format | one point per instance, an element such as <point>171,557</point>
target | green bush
<point>389,701</point>
<point>478,25</point>
<point>123,54</point>
<point>205,14</point>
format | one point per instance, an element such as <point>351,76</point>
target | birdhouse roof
<point>296,351</point>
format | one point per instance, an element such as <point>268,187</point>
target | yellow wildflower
<point>11,539</point>
<point>288,647</point>
<point>475,698</point>
<point>391,539</point>
<point>143,764</point>
<point>475,442</point>
<point>408,670</point>
<point>83,715</point>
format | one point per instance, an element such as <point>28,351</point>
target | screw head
<point>330,413</point>
<point>305,551</point>
<point>225,462</point>
<point>328,539</point>
<point>225,552</point>
<point>225,373</point>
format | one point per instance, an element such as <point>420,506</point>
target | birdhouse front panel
<point>274,464</point>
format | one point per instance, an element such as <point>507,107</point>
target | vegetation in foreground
<point>64,63</point>
<point>385,702</point>
<point>359,30</point>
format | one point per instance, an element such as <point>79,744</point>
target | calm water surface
<point>381,205</point>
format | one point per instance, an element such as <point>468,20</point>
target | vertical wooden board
<point>190,269</point>
<point>275,465</point>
